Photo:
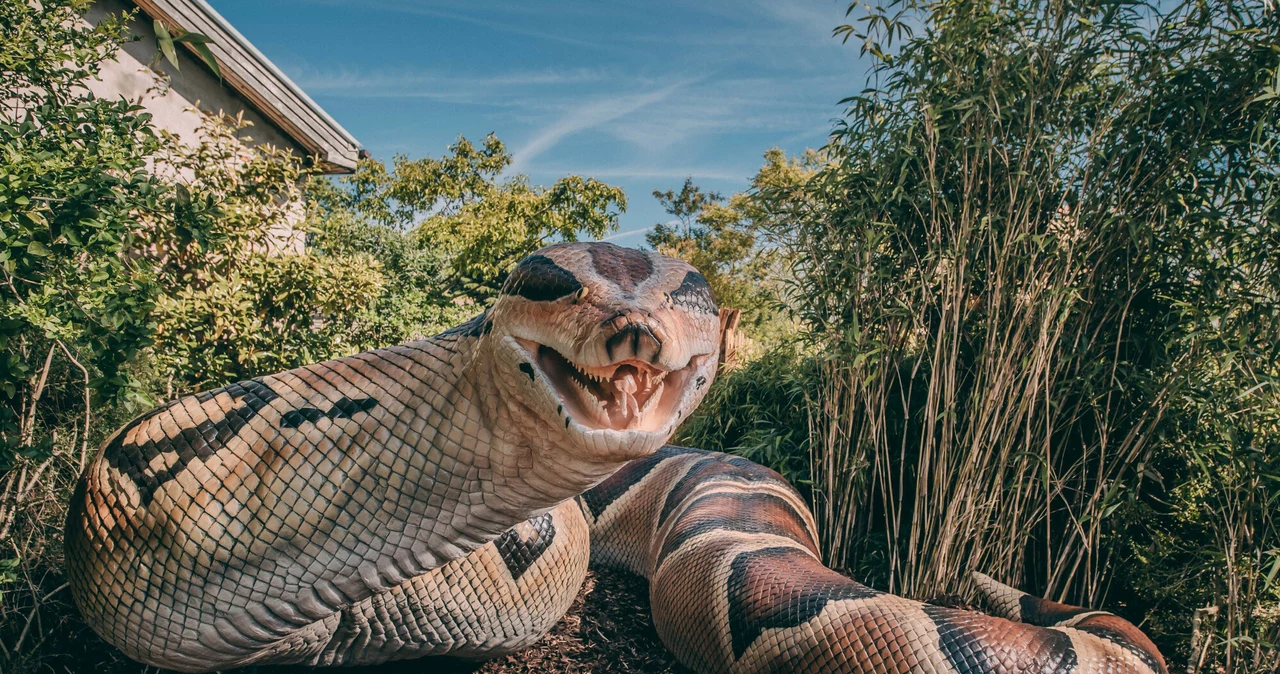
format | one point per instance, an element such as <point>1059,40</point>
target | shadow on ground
<point>607,630</point>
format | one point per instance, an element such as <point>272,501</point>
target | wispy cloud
<point>393,82</point>
<point>591,115</point>
<point>816,19</point>
<point>640,93</point>
<point>655,172</point>
<point>512,28</point>
<point>732,107</point>
<point>628,233</point>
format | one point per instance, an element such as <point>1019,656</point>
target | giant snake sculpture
<point>445,496</point>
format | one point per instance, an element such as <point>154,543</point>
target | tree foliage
<point>730,240</point>
<point>463,209</point>
<point>446,231</point>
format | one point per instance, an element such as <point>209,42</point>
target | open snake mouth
<point>628,395</point>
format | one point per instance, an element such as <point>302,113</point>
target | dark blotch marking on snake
<point>964,647</point>
<point>626,267</point>
<point>527,369</point>
<point>540,279</point>
<point>695,293</point>
<point>970,645</point>
<point>761,599</point>
<point>1037,611</point>
<point>345,408</point>
<point>1060,654</point>
<point>599,497</point>
<point>201,441</point>
<point>519,554</point>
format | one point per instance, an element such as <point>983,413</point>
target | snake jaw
<point>626,395</point>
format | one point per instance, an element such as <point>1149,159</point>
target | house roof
<point>260,82</point>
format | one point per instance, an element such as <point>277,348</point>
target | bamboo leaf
<point>165,42</point>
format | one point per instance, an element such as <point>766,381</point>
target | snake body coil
<point>737,585</point>
<point>419,500</point>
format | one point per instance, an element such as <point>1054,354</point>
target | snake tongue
<point>626,382</point>
<point>625,378</point>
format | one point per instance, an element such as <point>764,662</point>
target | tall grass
<point>1046,225</point>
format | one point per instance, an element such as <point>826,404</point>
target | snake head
<point>610,347</point>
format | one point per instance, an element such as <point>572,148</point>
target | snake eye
<point>540,279</point>
<point>581,294</point>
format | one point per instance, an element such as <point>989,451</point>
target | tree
<point>417,299</point>
<point>686,205</point>
<point>447,230</point>
<point>729,241</point>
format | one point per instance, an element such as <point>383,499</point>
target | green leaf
<point>1275,568</point>
<point>166,44</point>
<point>207,56</point>
<point>38,249</point>
<point>193,38</point>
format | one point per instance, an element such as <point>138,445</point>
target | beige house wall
<point>180,105</point>
<point>191,86</point>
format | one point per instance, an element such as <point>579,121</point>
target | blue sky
<point>638,94</point>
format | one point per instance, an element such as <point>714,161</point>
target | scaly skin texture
<point>737,586</point>
<point>414,500</point>
<point>278,520</point>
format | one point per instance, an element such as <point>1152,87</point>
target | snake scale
<point>445,496</point>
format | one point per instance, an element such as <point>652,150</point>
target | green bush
<point>241,296</point>
<point>1043,267</point>
<point>761,411</point>
<point>73,177</point>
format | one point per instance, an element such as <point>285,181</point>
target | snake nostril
<point>632,340</point>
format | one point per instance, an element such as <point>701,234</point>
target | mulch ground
<point>608,630</point>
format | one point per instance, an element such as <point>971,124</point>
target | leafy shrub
<point>241,295</point>
<point>761,411</point>
<point>1043,267</point>
<point>73,177</point>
